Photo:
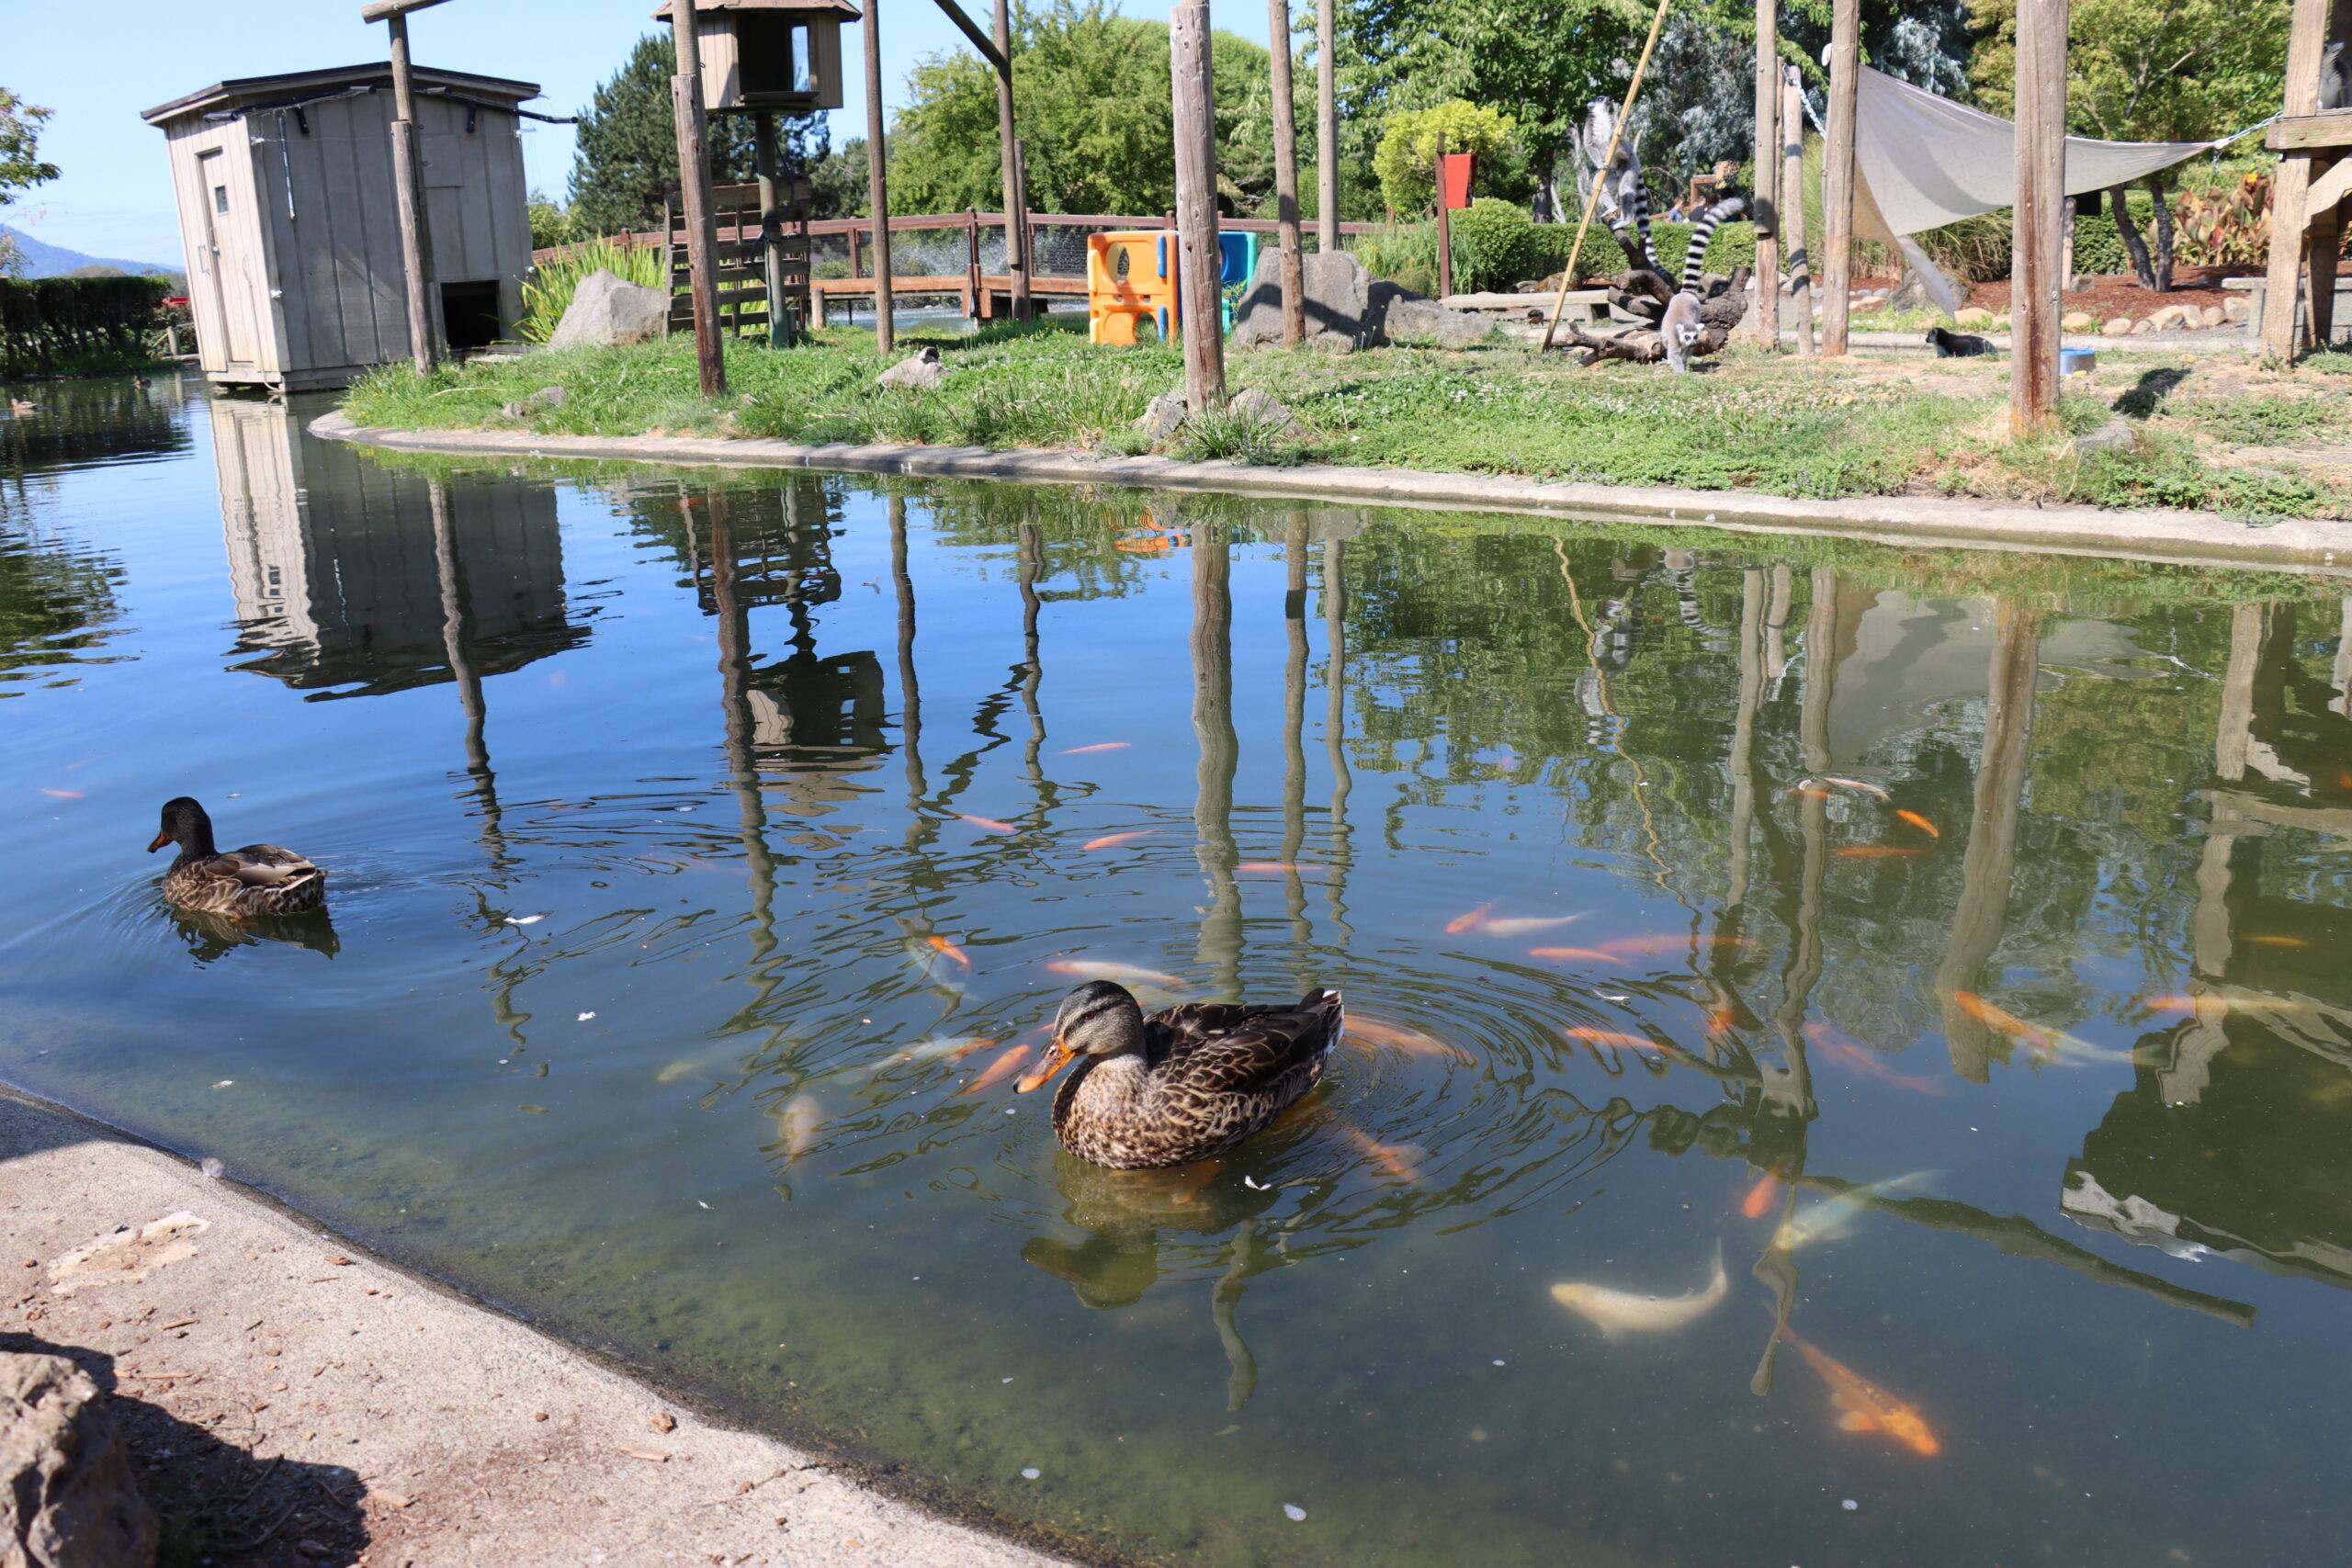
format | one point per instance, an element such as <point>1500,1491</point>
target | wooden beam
<point>1200,263</point>
<point>1837,177</point>
<point>1792,205</point>
<point>1444,223</point>
<point>693,185</point>
<point>971,30</point>
<point>878,192</point>
<point>1768,171</point>
<point>1326,133</point>
<point>2290,186</point>
<point>386,10</point>
<point>2328,132</point>
<point>2327,191</point>
<point>1016,204</point>
<point>408,195</point>
<point>2325,243</point>
<point>2037,222</point>
<point>1293,268</point>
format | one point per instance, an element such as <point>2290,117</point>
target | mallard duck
<point>1181,1084</point>
<point>260,879</point>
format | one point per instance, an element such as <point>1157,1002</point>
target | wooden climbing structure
<point>2315,180</point>
<point>740,265</point>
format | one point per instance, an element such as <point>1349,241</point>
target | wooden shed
<point>784,56</point>
<point>288,217</point>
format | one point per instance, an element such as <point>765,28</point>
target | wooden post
<point>1837,177</point>
<point>2291,188</point>
<point>1768,169</point>
<point>1286,176</point>
<point>1019,214</point>
<point>1199,264</point>
<point>408,191</point>
<point>1792,206</point>
<point>693,185</point>
<point>877,193</point>
<point>771,230</point>
<point>976,281</point>
<point>2034,277</point>
<point>1326,133</point>
<point>1016,218</point>
<point>1444,226</point>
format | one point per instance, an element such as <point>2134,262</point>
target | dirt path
<point>290,1401</point>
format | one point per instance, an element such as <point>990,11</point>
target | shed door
<point>225,272</point>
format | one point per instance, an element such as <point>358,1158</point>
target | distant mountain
<point>45,260</point>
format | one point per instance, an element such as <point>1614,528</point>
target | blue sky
<point>113,197</point>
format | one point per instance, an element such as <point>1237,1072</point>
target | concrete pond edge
<point>2176,538</point>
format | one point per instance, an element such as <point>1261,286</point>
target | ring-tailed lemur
<point>1625,200</point>
<point>1680,326</point>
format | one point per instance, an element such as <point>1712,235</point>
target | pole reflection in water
<point>1220,755</point>
<point>1295,751</point>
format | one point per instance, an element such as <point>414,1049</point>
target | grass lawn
<point>2217,434</point>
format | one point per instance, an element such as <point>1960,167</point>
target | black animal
<point>1958,345</point>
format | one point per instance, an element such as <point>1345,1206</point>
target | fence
<point>67,325</point>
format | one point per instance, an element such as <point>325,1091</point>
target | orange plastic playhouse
<point>1130,278</point>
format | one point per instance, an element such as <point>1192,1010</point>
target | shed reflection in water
<point>1576,839</point>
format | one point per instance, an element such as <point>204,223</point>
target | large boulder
<point>1339,313</point>
<point>67,1499</point>
<point>1399,315</point>
<point>607,309</point>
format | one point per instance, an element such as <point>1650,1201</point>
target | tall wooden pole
<point>1199,264</point>
<point>2038,231</point>
<point>1838,176</point>
<point>408,190</point>
<point>1792,205</point>
<point>2290,188</point>
<point>693,185</point>
<point>877,193</point>
<point>771,230</point>
<point>1286,176</point>
<point>1016,216</point>
<point>1445,224</point>
<point>1768,169</point>
<point>1326,133</point>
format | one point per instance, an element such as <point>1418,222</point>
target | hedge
<point>1733,245</point>
<point>52,326</point>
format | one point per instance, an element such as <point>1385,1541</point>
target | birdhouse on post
<point>770,56</point>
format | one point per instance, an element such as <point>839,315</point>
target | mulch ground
<point>2121,294</point>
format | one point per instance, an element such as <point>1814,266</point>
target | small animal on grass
<point>1183,1084</point>
<point>258,880</point>
<point>1680,328</point>
<point>1950,344</point>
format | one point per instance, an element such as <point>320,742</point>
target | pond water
<point>645,795</point>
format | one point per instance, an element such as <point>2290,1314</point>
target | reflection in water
<point>765,966</point>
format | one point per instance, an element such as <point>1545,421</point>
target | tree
<point>20,165</point>
<point>1408,145</point>
<point>1093,90</point>
<point>627,158</point>
<point>2149,70</point>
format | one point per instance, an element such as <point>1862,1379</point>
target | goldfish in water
<point>64,795</point>
<point>996,1072</point>
<point>1611,1037</point>
<point>937,1049</point>
<point>1527,925</point>
<point>2272,940</point>
<point>1468,922</point>
<point>798,1121</point>
<point>2051,1044</point>
<point>1920,822</point>
<point>986,824</point>
<point>1615,1312</point>
<point>1877,851</point>
<point>1721,1019</point>
<point>1807,792</point>
<point>1118,973</point>
<point>1859,787</point>
<point>1867,1062</point>
<point>1097,746</point>
<point>1631,946</point>
<point>948,950</point>
<point>1113,840</point>
<point>1400,1160</point>
<point>2215,1001</point>
<point>1759,1197</point>
<point>1865,1407</point>
<point>1576,955</point>
<point>1835,1216</point>
<point>1275,868</point>
<point>1374,1032</point>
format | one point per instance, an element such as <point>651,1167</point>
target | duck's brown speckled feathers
<point>1210,1075</point>
<point>260,879</point>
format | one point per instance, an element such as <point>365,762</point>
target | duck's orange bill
<point>1056,1058</point>
<point>161,839</point>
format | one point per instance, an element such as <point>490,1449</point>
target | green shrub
<point>2099,247</point>
<point>1975,250</point>
<point>1405,160</point>
<point>1404,253</point>
<point>546,293</point>
<point>1733,245</point>
<point>79,326</point>
<point>1493,245</point>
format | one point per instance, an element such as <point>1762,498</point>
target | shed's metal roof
<point>242,90</point>
<point>845,9</point>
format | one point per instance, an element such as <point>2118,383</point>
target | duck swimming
<point>1183,1084</point>
<point>260,879</point>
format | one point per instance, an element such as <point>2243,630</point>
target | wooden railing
<point>858,229</point>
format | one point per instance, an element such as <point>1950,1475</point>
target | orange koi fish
<point>1113,840</point>
<point>2272,940</point>
<point>986,824</point>
<point>1400,1160</point>
<point>1578,954</point>
<point>1120,974</point>
<point>1152,547</point>
<point>1867,1062</point>
<point>1526,925</point>
<point>1859,787</point>
<point>798,1121</point>
<point>1275,868</point>
<point>1865,1407</point>
<point>1759,1197</point>
<point>2053,1045</point>
<point>1612,1037</point>
<point>996,1072</point>
<point>1919,822</point>
<point>1808,793</point>
<point>64,795</point>
<point>1470,921</point>
<point>948,949</point>
<point>1097,746</point>
<point>1374,1032</point>
<point>1877,851</point>
<point>1631,946</point>
<point>1719,1019</point>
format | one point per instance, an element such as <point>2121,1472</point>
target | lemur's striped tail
<point>1694,260</point>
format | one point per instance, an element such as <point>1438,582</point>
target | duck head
<point>185,824</point>
<point>1099,1019</point>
